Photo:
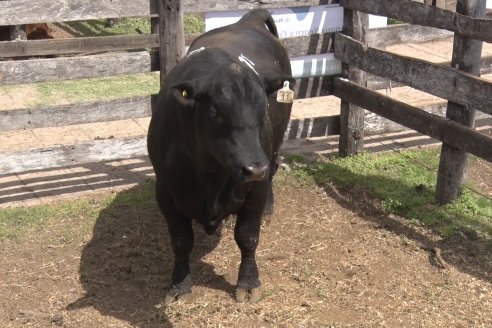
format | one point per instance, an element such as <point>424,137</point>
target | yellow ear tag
<point>285,95</point>
<point>184,93</point>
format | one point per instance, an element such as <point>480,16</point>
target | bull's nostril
<point>255,172</point>
<point>247,171</point>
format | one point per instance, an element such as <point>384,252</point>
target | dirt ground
<point>328,258</point>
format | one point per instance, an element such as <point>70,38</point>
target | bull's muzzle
<point>257,172</point>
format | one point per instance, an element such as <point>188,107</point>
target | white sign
<point>377,21</point>
<point>291,22</point>
<point>294,22</point>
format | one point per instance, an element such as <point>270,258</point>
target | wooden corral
<point>359,48</point>
<point>459,83</point>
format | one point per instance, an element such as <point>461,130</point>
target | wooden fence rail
<point>441,81</point>
<point>445,130</point>
<point>80,45</point>
<point>403,33</point>
<point>100,111</point>
<point>422,14</point>
<point>86,152</point>
<point>376,82</point>
<point>73,68</point>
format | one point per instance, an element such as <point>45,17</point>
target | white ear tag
<point>285,95</point>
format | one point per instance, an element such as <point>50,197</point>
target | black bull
<point>214,139</point>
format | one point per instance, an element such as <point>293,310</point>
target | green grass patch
<point>106,88</point>
<point>89,90</point>
<point>194,24</point>
<point>99,27</point>
<point>394,21</point>
<point>128,26</point>
<point>403,187</point>
<point>18,221</point>
<point>15,222</point>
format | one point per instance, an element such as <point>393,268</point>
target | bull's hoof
<point>180,291</point>
<point>252,296</point>
<point>173,296</point>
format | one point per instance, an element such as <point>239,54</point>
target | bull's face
<point>228,112</point>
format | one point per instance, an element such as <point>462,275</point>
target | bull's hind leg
<point>246,234</point>
<point>270,198</point>
<point>182,238</point>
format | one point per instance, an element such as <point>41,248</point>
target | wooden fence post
<point>154,29</point>
<point>154,60</point>
<point>355,24</point>
<point>171,35</point>
<point>466,57</point>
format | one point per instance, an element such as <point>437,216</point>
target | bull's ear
<point>274,83</point>
<point>184,93</point>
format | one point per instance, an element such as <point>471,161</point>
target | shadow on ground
<point>54,183</point>
<point>465,250</point>
<point>126,266</point>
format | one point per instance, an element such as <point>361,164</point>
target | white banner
<point>294,22</point>
<point>291,22</point>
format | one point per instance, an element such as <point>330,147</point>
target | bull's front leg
<point>182,239</point>
<point>181,232</point>
<point>246,234</point>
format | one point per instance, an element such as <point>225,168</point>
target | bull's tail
<point>261,16</point>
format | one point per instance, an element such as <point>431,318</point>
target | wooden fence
<point>89,57</point>
<point>104,56</point>
<point>459,83</point>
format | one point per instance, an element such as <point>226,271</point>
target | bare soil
<point>328,258</point>
<point>19,96</point>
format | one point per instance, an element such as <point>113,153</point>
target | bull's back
<point>253,39</point>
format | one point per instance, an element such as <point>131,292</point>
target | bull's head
<point>227,111</point>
